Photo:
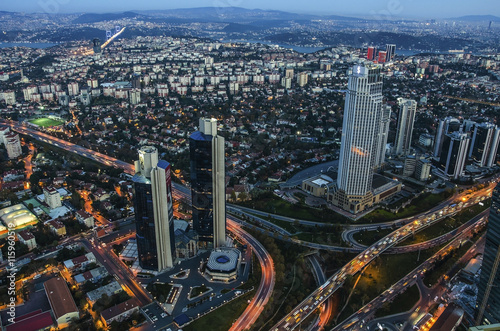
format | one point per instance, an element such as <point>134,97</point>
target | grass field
<point>45,122</point>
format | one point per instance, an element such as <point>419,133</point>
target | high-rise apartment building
<point>153,211</point>
<point>208,183</point>
<point>302,79</point>
<point>390,50</point>
<point>406,119</point>
<point>484,144</point>
<point>382,57</point>
<point>13,145</point>
<point>454,154</point>
<point>385,121</point>
<point>448,125</point>
<point>370,55</point>
<point>360,139</point>
<point>488,296</point>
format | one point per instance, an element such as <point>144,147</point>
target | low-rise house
<point>85,218</point>
<point>79,263</point>
<point>57,227</point>
<point>119,312</point>
<point>93,275</point>
<point>27,238</point>
<point>109,290</point>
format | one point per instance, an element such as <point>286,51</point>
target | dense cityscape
<point>223,168</point>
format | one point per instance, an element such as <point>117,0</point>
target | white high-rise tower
<point>406,119</point>
<point>360,138</point>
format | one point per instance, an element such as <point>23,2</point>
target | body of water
<point>30,45</point>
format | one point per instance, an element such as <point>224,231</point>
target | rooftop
<point>119,309</point>
<point>60,298</point>
<point>223,259</point>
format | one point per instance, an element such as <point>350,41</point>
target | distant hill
<point>226,13</point>
<point>477,18</point>
<point>93,18</point>
<point>211,14</point>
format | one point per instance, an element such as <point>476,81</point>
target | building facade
<point>358,149</point>
<point>208,183</point>
<point>485,138</point>
<point>454,154</point>
<point>52,197</point>
<point>153,211</point>
<point>488,297</point>
<point>446,126</point>
<point>404,132</point>
<point>13,145</point>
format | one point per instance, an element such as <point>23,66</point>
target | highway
<point>326,309</point>
<point>314,300</point>
<point>355,321</point>
<point>82,151</point>
<point>265,290</point>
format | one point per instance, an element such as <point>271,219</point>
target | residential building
<point>423,170</point>
<point>85,218</point>
<point>390,50</point>
<point>52,197</point>
<point>370,55</point>
<point>446,126</point>
<point>383,133</point>
<point>79,263</point>
<point>454,154</point>
<point>110,289</point>
<point>208,183</point>
<point>484,144</point>
<point>93,275</point>
<point>488,296</point>
<point>57,227</point>
<point>13,145</point>
<point>406,119</point>
<point>27,238</point>
<point>61,302</point>
<point>119,312</point>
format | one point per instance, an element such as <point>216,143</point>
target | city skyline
<point>173,170</point>
<point>425,9</point>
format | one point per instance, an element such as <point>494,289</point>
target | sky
<point>364,8</point>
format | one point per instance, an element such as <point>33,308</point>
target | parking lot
<point>155,314</point>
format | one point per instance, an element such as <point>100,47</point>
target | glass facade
<point>200,147</point>
<point>488,297</point>
<point>145,225</point>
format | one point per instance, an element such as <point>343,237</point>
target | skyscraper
<point>370,55</point>
<point>484,144</point>
<point>406,119</point>
<point>360,138</point>
<point>153,211</point>
<point>448,125</point>
<point>382,57</point>
<point>488,297</point>
<point>390,50</point>
<point>208,183</point>
<point>385,121</point>
<point>454,154</point>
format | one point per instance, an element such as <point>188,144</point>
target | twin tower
<point>153,203</point>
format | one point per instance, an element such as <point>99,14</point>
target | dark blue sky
<point>365,8</point>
